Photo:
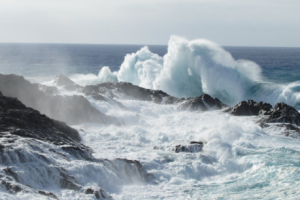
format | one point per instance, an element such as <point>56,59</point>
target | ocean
<point>239,159</point>
<point>279,64</point>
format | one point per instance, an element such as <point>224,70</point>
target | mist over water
<point>192,68</point>
<point>239,159</point>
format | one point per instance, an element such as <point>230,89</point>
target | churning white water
<point>239,159</point>
<point>191,68</point>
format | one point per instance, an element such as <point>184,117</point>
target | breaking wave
<point>191,68</point>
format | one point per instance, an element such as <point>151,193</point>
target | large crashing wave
<point>191,68</point>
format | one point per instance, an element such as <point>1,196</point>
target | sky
<point>226,22</point>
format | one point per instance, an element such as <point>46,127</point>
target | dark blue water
<point>280,65</point>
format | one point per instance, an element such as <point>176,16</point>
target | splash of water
<point>191,68</point>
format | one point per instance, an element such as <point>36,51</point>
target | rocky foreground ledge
<point>38,153</point>
<point>124,90</point>
<point>70,109</point>
<point>77,109</point>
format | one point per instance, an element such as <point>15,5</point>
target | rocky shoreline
<point>35,136</point>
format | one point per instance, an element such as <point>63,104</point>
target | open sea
<point>239,160</point>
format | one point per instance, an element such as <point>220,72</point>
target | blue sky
<point>227,22</point>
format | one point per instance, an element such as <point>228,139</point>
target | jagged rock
<point>193,147</point>
<point>250,107</point>
<point>36,152</point>
<point>48,194</point>
<point>283,113</point>
<point>196,142</point>
<point>70,109</point>
<point>203,102</point>
<point>17,119</point>
<point>123,90</point>
<point>12,188</point>
<point>98,193</point>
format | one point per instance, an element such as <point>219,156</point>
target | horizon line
<point>67,43</point>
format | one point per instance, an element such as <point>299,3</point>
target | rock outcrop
<point>203,103</point>
<point>128,90</point>
<point>17,119</point>
<point>193,147</point>
<point>250,107</point>
<point>39,155</point>
<point>70,109</point>
<point>281,113</point>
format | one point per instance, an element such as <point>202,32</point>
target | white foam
<point>191,68</point>
<point>239,159</point>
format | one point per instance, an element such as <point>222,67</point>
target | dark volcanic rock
<point>250,107</point>
<point>20,120</point>
<point>203,102</point>
<point>70,109</point>
<point>128,90</point>
<point>283,113</point>
<point>38,153</point>
<point>98,193</point>
<point>193,147</point>
<point>48,194</point>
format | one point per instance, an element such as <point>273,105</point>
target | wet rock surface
<point>281,113</point>
<point>192,147</point>
<point>128,90</point>
<point>20,120</point>
<point>203,103</point>
<point>250,107</point>
<point>38,153</point>
<point>70,109</point>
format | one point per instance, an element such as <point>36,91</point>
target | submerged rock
<point>193,147</point>
<point>98,193</point>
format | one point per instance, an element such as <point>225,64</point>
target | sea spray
<point>192,68</point>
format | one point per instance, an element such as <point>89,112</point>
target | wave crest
<point>191,68</point>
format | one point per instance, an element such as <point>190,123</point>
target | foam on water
<point>239,159</point>
<point>191,68</point>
